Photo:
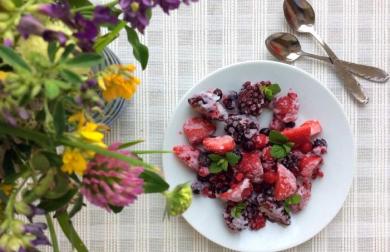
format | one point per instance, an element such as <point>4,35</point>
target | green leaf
<point>70,76</point>
<point>78,3</point>
<point>50,205</point>
<point>59,188</point>
<point>68,50</point>
<point>129,144</point>
<point>149,13</point>
<point>215,168</point>
<point>268,94</point>
<point>103,41</point>
<point>225,165</point>
<point>85,60</point>
<point>271,91</point>
<point>153,183</point>
<point>294,199</point>
<point>232,158</point>
<point>52,50</point>
<point>215,157</point>
<point>10,57</point>
<point>69,231</point>
<point>278,152</point>
<point>237,210</point>
<point>77,206</point>
<point>40,162</point>
<point>287,148</point>
<point>276,137</point>
<point>275,88</point>
<point>59,118</point>
<point>52,90</point>
<point>140,51</point>
<point>116,209</point>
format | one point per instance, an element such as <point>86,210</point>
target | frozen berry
<point>196,129</point>
<point>219,145</point>
<point>230,100</point>
<point>286,107</point>
<point>257,222</point>
<point>261,141</point>
<point>241,128</point>
<point>250,99</point>
<point>188,155</point>
<point>286,185</point>
<point>207,104</point>
<point>265,131</point>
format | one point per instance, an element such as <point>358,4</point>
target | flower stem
<point>53,234</point>
<point>91,7</point>
<point>70,232</point>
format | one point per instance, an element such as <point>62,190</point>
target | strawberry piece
<point>299,135</point>
<point>270,177</point>
<point>250,165</point>
<point>306,147</point>
<point>286,185</point>
<point>188,155</point>
<point>196,129</point>
<point>308,164</point>
<point>220,144</point>
<point>314,125</point>
<point>238,192</point>
<point>260,141</point>
<point>286,107</point>
<point>266,154</point>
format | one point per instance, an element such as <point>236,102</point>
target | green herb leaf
<point>292,200</point>
<point>106,39</point>
<point>271,91</point>
<point>215,157</point>
<point>50,205</point>
<point>59,118</point>
<point>77,205</point>
<point>78,3</point>
<point>52,90</point>
<point>215,167</point>
<point>52,50</point>
<point>40,162</point>
<point>225,165</point>
<point>70,76</point>
<point>10,57</point>
<point>275,88</point>
<point>70,232</point>
<point>276,137</point>
<point>68,50</point>
<point>278,151</point>
<point>232,158</point>
<point>287,148</point>
<point>140,51</point>
<point>237,210</point>
<point>153,183</point>
<point>268,94</point>
<point>85,60</point>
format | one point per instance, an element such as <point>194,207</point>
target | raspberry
<point>306,147</point>
<point>250,99</point>
<point>286,107</point>
<point>261,141</point>
<point>241,128</point>
<point>203,171</point>
<point>270,177</point>
<point>257,222</point>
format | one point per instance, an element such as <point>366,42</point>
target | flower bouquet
<point>52,152</point>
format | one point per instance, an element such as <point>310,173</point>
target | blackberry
<point>320,142</point>
<point>291,163</point>
<point>197,187</point>
<point>241,128</point>
<point>250,99</point>
<point>265,131</point>
<point>289,125</point>
<point>204,160</point>
<point>230,100</point>
<point>249,145</point>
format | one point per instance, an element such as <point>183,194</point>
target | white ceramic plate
<point>328,193</point>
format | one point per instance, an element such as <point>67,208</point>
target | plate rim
<point>325,88</point>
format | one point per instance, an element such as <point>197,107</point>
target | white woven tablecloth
<point>210,34</point>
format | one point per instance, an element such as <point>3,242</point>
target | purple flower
<point>37,230</point>
<point>29,25</point>
<point>136,12</point>
<point>168,5</point>
<point>8,117</point>
<point>59,10</point>
<point>87,32</point>
<point>103,15</point>
<point>112,182</point>
<point>8,42</point>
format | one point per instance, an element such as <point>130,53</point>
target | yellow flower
<point>73,162</point>
<point>118,81</point>
<point>7,189</point>
<point>3,75</point>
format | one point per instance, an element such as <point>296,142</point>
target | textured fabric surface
<point>203,37</point>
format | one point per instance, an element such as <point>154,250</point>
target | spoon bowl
<point>300,15</point>
<point>284,46</point>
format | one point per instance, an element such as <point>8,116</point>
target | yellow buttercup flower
<point>3,75</point>
<point>73,162</point>
<point>118,81</point>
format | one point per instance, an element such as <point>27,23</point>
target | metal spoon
<point>286,47</point>
<point>300,16</point>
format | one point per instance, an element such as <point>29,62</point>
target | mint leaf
<point>232,158</point>
<point>275,88</point>
<point>268,94</point>
<point>287,148</point>
<point>215,157</point>
<point>277,151</point>
<point>215,168</point>
<point>293,199</point>
<point>276,137</point>
<point>225,165</point>
<point>237,210</point>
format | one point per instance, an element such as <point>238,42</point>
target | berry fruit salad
<point>260,172</point>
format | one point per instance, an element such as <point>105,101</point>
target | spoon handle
<point>367,72</point>
<point>352,85</point>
